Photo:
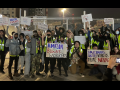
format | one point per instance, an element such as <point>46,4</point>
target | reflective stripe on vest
<point>105,46</point>
<point>2,45</point>
<point>44,49</point>
<point>36,47</point>
<point>40,45</point>
<point>14,55</point>
<point>119,41</point>
<point>91,34</point>
<point>94,42</point>
<point>86,35</point>
<point>72,41</point>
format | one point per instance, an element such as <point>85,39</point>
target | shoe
<point>38,74</point>
<point>21,72</point>
<point>16,74</point>
<point>32,76</point>
<point>2,72</point>
<point>52,76</point>
<point>10,76</point>
<point>60,73</point>
<point>82,75</point>
<point>26,76</point>
<point>66,75</point>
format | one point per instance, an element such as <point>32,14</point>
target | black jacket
<point>22,53</point>
<point>108,75</point>
<point>6,49</point>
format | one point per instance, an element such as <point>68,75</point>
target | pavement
<point>71,77</point>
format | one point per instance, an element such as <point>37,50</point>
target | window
<point>12,12</point>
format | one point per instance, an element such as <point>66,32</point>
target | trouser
<point>2,54</point>
<point>35,63</point>
<point>52,62</point>
<point>27,64</point>
<point>68,60</point>
<point>64,64</point>
<point>21,62</point>
<point>82,64</point>
<point>11,62</point>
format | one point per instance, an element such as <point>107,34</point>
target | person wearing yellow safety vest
<point>84,46</point>
<point>76,56</point>
<point>3,50</point>
<point>14,50</point>
<point>27,57</point>
<point>48,39</point>
<point>117,38</point>
<point>35,45</point>
<point>70,42</point>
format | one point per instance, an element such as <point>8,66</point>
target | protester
<point>14,46</point>
<point>27,57</point>
<point>63,60</point>
<point>77,57</point>
<point>3,50</point>
<point>35,46</point>
<point>22,53</point>
<point>45,40</point>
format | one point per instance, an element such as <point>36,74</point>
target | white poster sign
<point>100,57</point>
<point>42,26</point>
<point>56,50</point>
<point>25,20</point>
<point>5,21</point>
<point>81,39</point>
<point>14,21</point>
<point>108,20</point>
<point>30,33</point>
<point>87,18</point>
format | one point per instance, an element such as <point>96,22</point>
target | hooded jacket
<point>14,46</point>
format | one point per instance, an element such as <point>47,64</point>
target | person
<point>3,50</point>
<point>76,57</point>
<point>84,46</point>
<point>61,32</point>
<point>63,60</point>
<point>35,46</point>
<point>103,28</point>
<point>45,40</point>
<point>117,38</point>
<point>57,31</point>
<point>22,53</point>
<point>40,36</point>
<point>14,46</point>
<point>27,57</point>
<point>108,74</point>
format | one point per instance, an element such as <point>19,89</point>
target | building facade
<point>9,12</point>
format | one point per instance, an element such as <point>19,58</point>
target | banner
<point>25,20</point>
<point>1,21</point>
<point>14,21</point>
<point>100,57</point>
<point>30,33</point>
<point>56,50</point>
<point>5,21</point>
<point>87,18</point>
<point>108,20</point>
<point>81,39</point>
<point>42,26</point>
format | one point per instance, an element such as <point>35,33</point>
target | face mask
<point>117,32</point>
<point>62,40</point>
<point>80,34</point>
<point>48,34</point>
<point>16,37</point>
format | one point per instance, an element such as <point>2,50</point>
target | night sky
<point>96,12</point>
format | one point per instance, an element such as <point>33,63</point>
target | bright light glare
<point>63,10</point>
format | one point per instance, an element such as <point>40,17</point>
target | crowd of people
<point>30,51</point>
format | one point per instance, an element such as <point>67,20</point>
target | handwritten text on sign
<point>25,20</point>
<point>98,57</point>
<point>56,50</point>
<point>108,20</point>
<point>14,21</point>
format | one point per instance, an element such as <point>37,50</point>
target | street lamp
<point>63,13</point>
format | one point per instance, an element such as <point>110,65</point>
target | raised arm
<point>18,31</point>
